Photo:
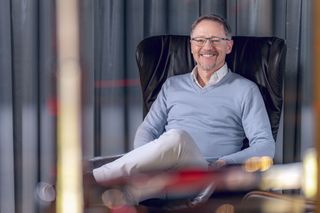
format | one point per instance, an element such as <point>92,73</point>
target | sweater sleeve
<point>256,125</point>
<point>154,123</point>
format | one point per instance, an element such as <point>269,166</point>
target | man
<point>199,119</point>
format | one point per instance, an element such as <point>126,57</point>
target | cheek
<point>193,49</point>
<point>194,52</point>
<point>224,51</point>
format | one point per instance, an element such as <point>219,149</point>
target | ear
<point>191,46</point>
<point>229,46</point>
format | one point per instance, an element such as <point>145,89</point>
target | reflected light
<point>45,192</point>
<point>310,174</point>
<point>116,201</point>
<point>282,177</point>
<point>255,164</point>
<point>282,205</point>
<point>225,208</point>
<point>69,157</point>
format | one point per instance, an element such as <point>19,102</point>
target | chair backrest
<point>260,59</point>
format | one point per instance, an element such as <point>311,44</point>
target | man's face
<point>211,55</point>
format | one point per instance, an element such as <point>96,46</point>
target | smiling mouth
<point>209,54</point>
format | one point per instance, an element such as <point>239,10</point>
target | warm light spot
<point>265,163</point>
<point>310,174</point>
<point>282,177</point>
<point>225,208</point>
<point>69,197</point>
<point>117,202</point>
<point>258,164</point>
<point>252,164</point>
<point>282,205</point>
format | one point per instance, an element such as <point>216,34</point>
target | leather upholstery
<point>260,59</point>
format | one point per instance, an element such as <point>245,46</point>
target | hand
<point>217,164</point>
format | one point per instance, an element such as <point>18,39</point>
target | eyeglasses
<point>214,40</point>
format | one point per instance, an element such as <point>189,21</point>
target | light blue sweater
<point>217,117</point>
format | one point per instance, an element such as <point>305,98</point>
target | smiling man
<point>199,119</point>
<point>210,43</point>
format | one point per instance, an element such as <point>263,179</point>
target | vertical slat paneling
<point>47,93</point>
<point>291,146</point>
<point>87,59</point>
<point>7,195</point>
<point>26,120</point>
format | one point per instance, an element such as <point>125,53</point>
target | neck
<point>203,77</point>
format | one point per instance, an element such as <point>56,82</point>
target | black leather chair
<point>260,59</point>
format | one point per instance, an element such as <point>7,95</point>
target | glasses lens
<point>215,40</point>
<point>212,41</point>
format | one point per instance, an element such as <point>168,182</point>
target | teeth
<point>207,55</point>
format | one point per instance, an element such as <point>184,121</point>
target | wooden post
<point>69,157</point>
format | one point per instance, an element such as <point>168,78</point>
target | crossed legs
<point>173,150</point>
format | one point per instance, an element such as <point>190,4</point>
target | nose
<point>209,44</point>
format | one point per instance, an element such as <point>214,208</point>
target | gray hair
<point>215,18</point>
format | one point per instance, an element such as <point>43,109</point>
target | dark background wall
<point>112,109</point>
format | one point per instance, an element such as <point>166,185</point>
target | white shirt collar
<point>215,77</point>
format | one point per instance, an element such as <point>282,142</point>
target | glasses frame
<point>213,40</point>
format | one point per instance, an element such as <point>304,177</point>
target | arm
<point>256,125</point>
<point>153,124</point>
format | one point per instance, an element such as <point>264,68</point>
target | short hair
<point>214,18</point>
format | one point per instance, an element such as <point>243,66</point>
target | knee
<point>178,137</point>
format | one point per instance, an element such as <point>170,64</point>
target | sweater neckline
<point>210,87</point>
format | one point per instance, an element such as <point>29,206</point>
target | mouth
<point>209,54</point>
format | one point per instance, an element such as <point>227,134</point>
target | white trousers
<point>175,149</point>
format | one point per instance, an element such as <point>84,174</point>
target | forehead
<point>208,28</point>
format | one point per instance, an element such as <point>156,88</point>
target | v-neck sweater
<point>217,117</point>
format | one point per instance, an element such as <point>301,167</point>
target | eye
<point>199,41</point>
<point>215,40</point>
